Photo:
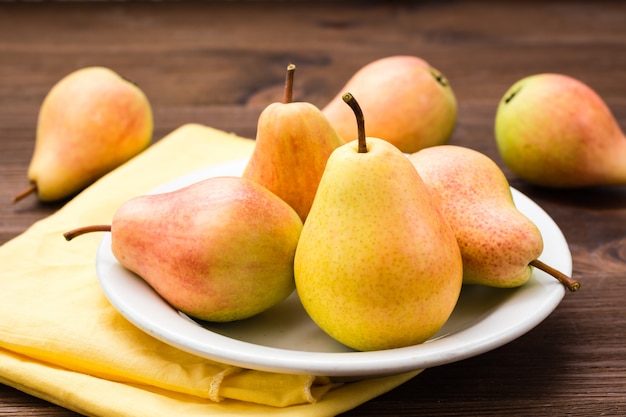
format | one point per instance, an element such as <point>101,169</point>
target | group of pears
<point>377,234</point>
<point>551,130</point>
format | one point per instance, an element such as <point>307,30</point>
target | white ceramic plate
<point>285,339</point>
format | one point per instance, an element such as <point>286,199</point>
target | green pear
<point>404,100</point>
<point>377,265</point>
<point>555,131</point>
<point>90,122</point>
<point>293,142</point>
<point>499,244</point>
<point>219,250</point>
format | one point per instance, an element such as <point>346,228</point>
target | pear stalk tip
<point>360,120</point>
<point>568,282</point>
<point>291,69</point>
<point>27,191</point>
<point>86,229</point>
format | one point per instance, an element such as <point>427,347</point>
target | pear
<point>293,142</point>
<point>377,265</point>
<point>499,244</point>
<point>219,250</point>
<point>90,122</point>
<point>405,101</point>
<point>555,131</point>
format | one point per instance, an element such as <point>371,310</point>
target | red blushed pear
<point>293,143</point>
<point>405,100</point>
<point>90,122</point>
<point>555,131</point>
<point>219,250</point>
<point>377,266</point>
<point>498,243</point>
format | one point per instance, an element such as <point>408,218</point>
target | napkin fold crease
<point>61,340</point>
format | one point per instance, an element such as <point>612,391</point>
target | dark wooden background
<point>221,63</point>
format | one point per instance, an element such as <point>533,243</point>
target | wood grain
<point>221,63</point>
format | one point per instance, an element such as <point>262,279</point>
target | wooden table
<point>220,63</point>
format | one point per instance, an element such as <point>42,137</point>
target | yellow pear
<point>293,142</point>
<point>90,122</point>
<point>377,265</point>
<point>405,101</point>
<point>219,250</point>
<point>498,243</point>
<point>555,131</point>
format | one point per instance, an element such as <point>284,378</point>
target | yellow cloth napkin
<point>61,340</point>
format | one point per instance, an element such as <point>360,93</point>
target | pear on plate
<point>498,243</point>
<point>405,101</point>
<point>293,143</point>
<point>90,122</point>
<point>219,250</point>
<point>377,265</point>
<point>553,130</point>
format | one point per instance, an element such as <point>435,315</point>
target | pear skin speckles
<point>497,241</point>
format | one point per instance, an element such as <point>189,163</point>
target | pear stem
<point>360,120</point>
<point>27,191</point>
<point>86,229</point>
<point>291,68</point>
<point>568,282</point>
